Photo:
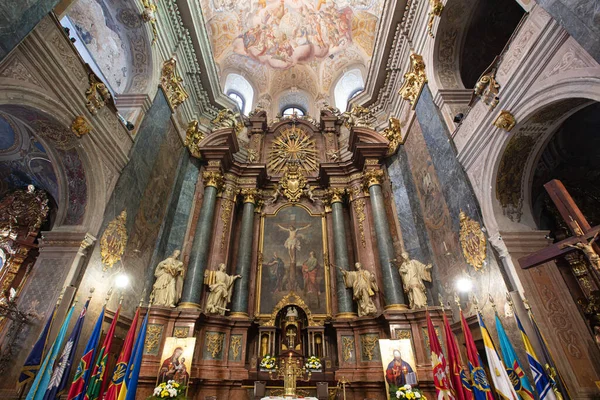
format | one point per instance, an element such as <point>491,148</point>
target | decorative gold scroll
<point>472,241</point>
<point>414,80</point>
<point>113,241</point>
<point>172,84</point>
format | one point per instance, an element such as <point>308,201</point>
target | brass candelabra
<point>290,371</point>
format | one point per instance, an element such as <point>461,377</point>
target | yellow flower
<point>176,385</point>
<point>164,393</point>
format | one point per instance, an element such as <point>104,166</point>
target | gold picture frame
<point>267,221</point>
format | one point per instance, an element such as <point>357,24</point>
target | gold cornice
<point>414,80</point>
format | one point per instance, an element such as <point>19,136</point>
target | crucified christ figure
<point>588,250</point>
<point>292,243</point>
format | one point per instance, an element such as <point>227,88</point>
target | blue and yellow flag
<point>513,367</point>
<point>135,362</point>
<point>35,357</point>
<point>542,383</point>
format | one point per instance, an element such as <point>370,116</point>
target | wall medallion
<point>113,241</point>
<point>80,126</point>
<point>472,241</point>
<point>505,121</point>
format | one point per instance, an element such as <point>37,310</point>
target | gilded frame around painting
<point>322,257</point>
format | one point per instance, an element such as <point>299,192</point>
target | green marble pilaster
<point>392,285</point>
<point>344,295</point>
<point>239,305</point>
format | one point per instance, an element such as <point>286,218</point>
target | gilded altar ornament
<point>368,344</point>
<point>472,241</point>
<point>347,347</point>
<point>168,286</point>
<point>249,195</point>
<point>505,121</point>
<point>358,116</point>
<point>363,286</point>
<point>393,134</point>
<point>220,285</point>
<point>293,145</point>
<point>292,183</point>
<point>291,299</point>
<point>290,371</point>
<point>113,241</point>
<point>436,8</point>
<point>413,274</point>
<point>181,332</point>
<point>487,87</point>
<point>414,80</point>
<point>172,84</point>
<point>213,178</point>
<point>372,177</point>
<point>97,95</point>
<point>149,16</point>
<point>193,137</point>
<point>227,119</point>
<point>80,126</point>
<point>23,209</point>
<point>153,337</point>
<point>214,343</point>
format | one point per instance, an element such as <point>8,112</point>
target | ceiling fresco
<point>298,40</point>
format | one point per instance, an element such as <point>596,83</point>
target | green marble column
<point>392,284</point>
<point>192,287</point>
<point>239,305</point>
<point>344,295</point>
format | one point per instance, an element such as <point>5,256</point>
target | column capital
<point>213,178</point>
<point>372,177</point>
<point>250,195</point>
<point>335,195</point>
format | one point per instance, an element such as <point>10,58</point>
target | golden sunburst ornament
<point>293,145</point>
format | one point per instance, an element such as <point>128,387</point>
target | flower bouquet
<point>313,364</point>
<point>169,390</point>
<point>268,363</point>
<point>409,393</point>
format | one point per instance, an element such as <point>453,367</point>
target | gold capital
<point>213,178</point>
<point>335,195</point>
<point>372,177</point>
<point>250,195</point>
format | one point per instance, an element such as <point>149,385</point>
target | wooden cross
<point>584,234</point>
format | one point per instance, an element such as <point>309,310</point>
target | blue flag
<point>513,367</point>
<point>82,375</point>
<point>60,376</point>
<point>35,357</point>
<point>42,379</point>
<point>135,363</point>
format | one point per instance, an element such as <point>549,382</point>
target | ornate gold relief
<point>213,178</point>
<point>181,331</point>
<point>226,208</point>
<point>335,195</point>
<point>393,134</point>
<point>505,121</point>
<point>347,347</point>
<point>359,208</point>
<point>414,80</point>
<point>153,337</point>
<point>235,346</point>
<point>472,241</point>
<point>436,8</point>
<point>368,345</point>
<point>193,137</point>
<point>292,183</point>
<point>487,87</point>
<point>172,84</point>
<point>290,299</point>
<point>358,116</point>
<point>250,195</point>
<point>293,145</point>
<point>80,126</point>
<point>113,241</point>
<point>214,343</point>
<point>149,16</point>
<point>227,119</point>
<point>23,209</point>
<point>372,177</point>
<point>403,334</point>
<point>97,95</point>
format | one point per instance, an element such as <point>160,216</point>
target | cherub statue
<point>413,274</point>
<point>358,116</point>
<point>275,195</point>
<point>308,192</point>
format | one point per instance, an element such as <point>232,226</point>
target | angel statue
<point>413,274</point>
<point>169,281</point>
<point>221,288</point>
<point>363,287</point>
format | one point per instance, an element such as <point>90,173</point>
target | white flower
<point>417,395</point>
<point>157,391</point>
<point>407,386</point>
<point>398,394</point>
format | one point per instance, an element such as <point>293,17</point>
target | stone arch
<point>75,160</point>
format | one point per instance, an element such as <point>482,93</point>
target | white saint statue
<point>363,286</point>
<point>413,274</point>
<point>292,312</point>
<point>221,288</point>
<point>169,281</point>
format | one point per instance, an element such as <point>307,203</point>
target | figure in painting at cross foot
<point>413,274</point>
<point>276,272</point>
<point>220,285</point>
<point>399,373</point>
<point>309,272</point>
<point>169,281</point>
<point>363,287</point>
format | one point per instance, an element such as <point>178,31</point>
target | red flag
<point>443,387</point>
<point>480,383</point>
<point>96,385</point>
<point>119,373</point>
<point>456,369</point>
